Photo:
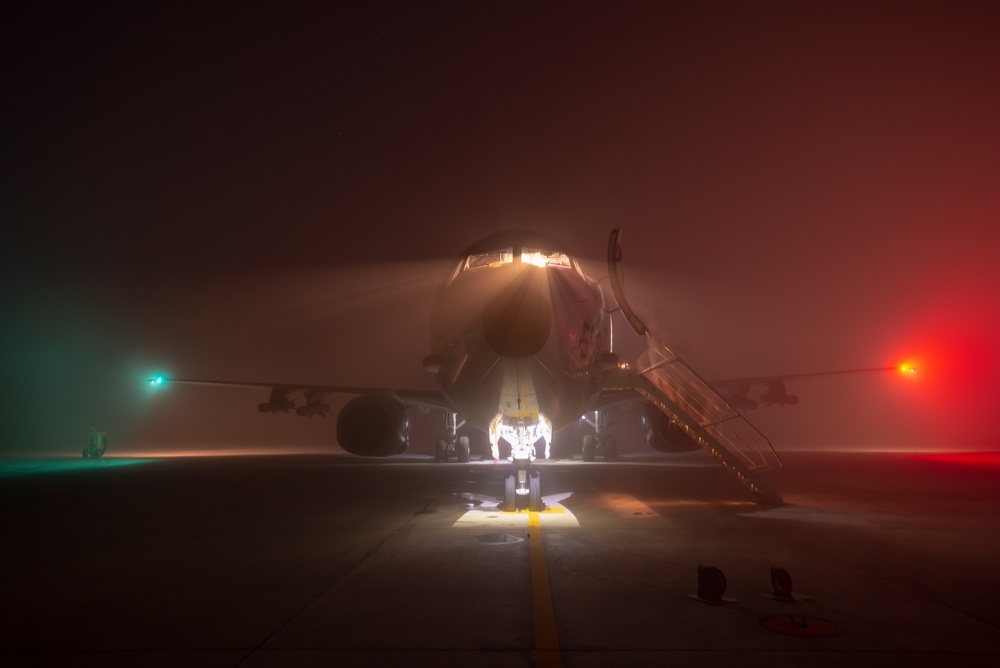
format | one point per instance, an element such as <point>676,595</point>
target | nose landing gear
<point>522,488</point>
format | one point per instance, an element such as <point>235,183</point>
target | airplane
<point>520,348</point>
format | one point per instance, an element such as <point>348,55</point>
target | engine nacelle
<point>662,434</point>
<point>374,426</point>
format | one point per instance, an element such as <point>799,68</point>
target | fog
<point>273,197</point>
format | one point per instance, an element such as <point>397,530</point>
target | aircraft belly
<point>490,366</point>
<point>520,388</point>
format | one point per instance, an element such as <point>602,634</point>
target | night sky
<point>250,191</point>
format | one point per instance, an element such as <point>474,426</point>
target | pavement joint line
<point>547,653</point>
<point>340,578</point>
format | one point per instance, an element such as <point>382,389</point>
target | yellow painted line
<point>546,638</point>
<point>548,510</point>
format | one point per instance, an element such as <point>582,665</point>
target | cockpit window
<point>505,256</point>
<point>541,258</point>
<point>489,259</point>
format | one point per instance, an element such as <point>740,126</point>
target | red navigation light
<point>907,368</point>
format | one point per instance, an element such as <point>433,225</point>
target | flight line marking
<point>546,638</point>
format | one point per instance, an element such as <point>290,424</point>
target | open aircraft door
<point>618,283</point>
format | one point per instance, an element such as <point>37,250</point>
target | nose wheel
<point>522,488</point>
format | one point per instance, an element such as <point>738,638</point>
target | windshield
<point>489,259</point>
<point>497,258</point>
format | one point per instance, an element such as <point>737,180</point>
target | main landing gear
<point>599,443</point>
<point>522,488</point>
<point>459,447</point>
<point>606,445</point>
<point>451,443</point>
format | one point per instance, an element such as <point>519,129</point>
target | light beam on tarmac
<point>627,505</point>
<point>488,514</point>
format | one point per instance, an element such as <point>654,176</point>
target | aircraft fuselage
<point>516,331</point>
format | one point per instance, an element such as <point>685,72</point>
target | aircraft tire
<point>86,453</point>
<point>610,448</point>
<point>535,492</point>
<point>588,447</point>
<point>441,450</point>
<point>509,495</point>
<point>462,449</point>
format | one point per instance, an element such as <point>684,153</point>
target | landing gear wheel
<point>462,449</point>
<point>441,450</point>
<point>86,453</point>
<point>588,448</point>
<point>535,492</point>
<point>509,496</point>
<point>610,448</point>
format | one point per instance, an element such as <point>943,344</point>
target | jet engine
<point>374,426</point>
<point>662,434</point>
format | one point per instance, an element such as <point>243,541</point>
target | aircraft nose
<point>518,320</point>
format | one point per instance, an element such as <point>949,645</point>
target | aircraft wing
<point>770,390</point>
<point>283,396</point>
<point>741,393</point>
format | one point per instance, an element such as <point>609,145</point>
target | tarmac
<point>319,560</point>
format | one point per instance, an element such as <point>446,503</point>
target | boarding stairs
<point>693,405</point>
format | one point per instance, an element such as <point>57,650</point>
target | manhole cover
<point>498,538</point>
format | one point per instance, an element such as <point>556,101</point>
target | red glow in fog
<point>963,458</point>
